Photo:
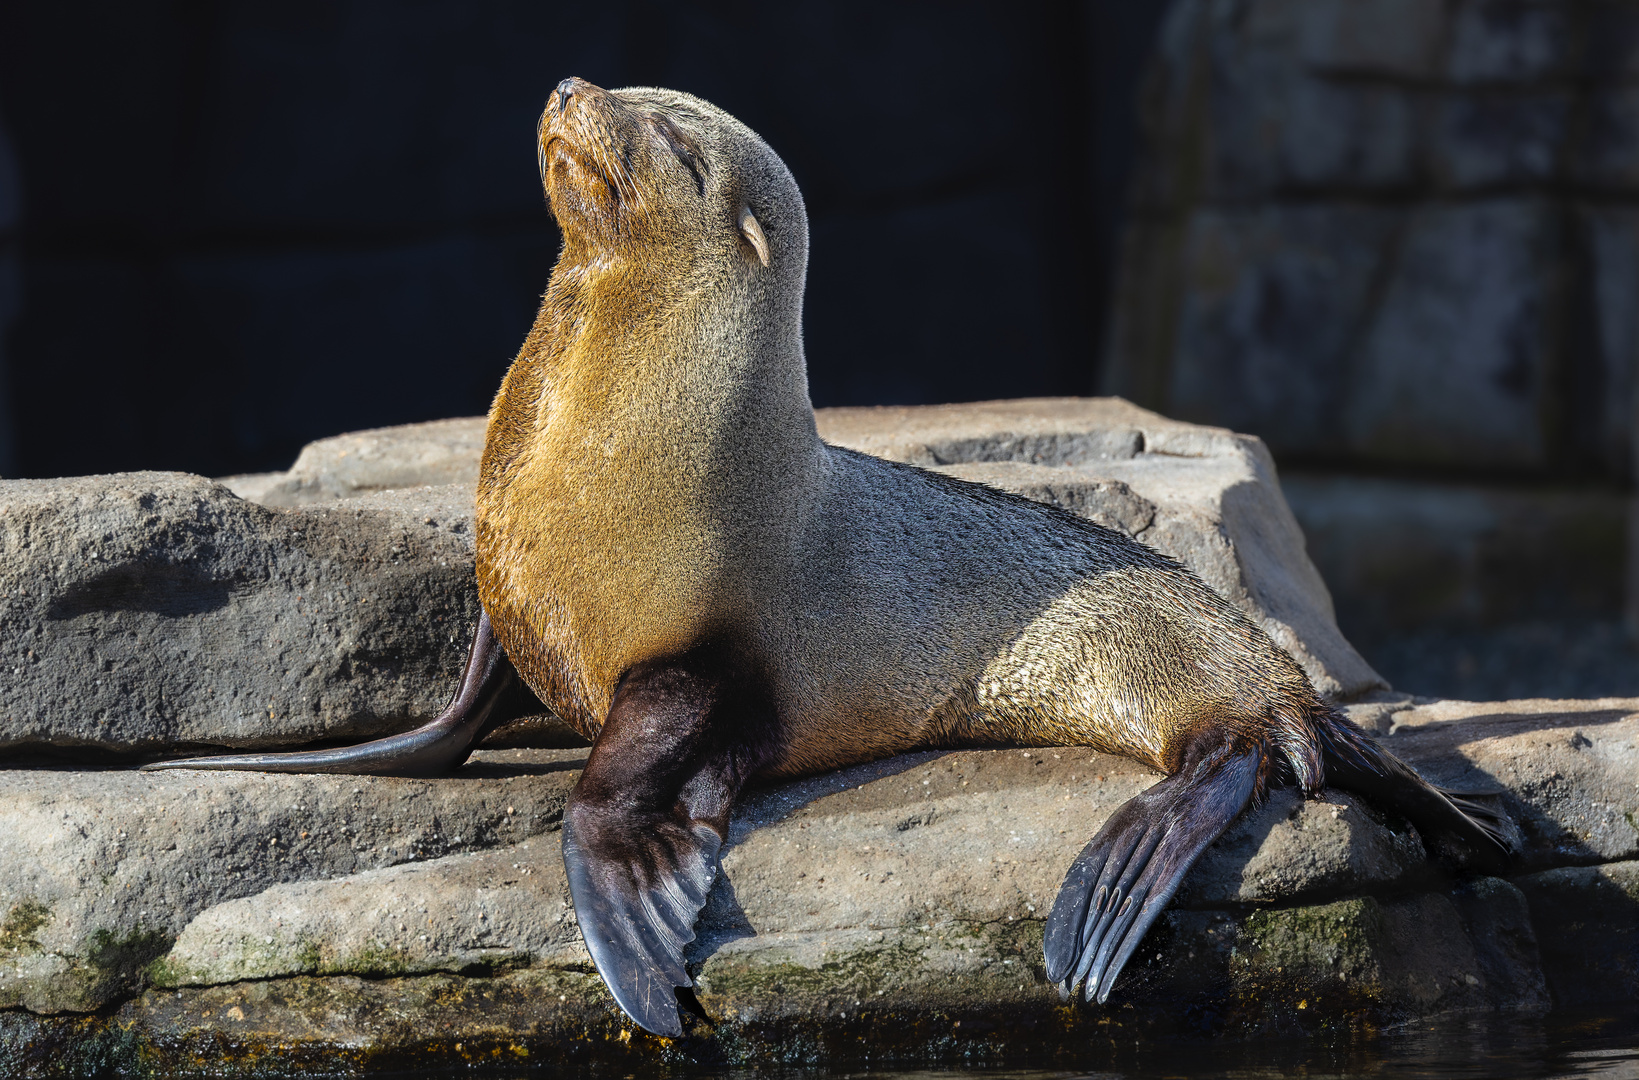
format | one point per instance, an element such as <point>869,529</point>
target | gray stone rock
<point>1587,929</point>
<point>436,453</point>
<point>1400,554</point>
<point>461,913</point>
<point>1275,125</point>
<point>1502,139</point>
<point>1397,38</point>
<point>1256,290</point>
<point>1507,42</point>
<point>154,610</point>
<point>1611,41</point>
<point>872,897</point>
<point>1612,241</point>
<point>1570,769</point>
<point>1607,157</point>
<point>1274,298</point>
<point>103,869</point>
<point>1443,950</point>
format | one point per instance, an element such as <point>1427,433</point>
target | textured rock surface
<point>1400,553</point>
<point>148,610</point>
<point>435,453</point>
<point>104,868</point>
<point>275,918</point>
<point>1386,235</point>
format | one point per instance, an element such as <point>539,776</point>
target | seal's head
<point>645,173</point>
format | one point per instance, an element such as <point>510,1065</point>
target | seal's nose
<point>565,91</point>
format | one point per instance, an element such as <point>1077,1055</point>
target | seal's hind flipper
<point>1125,877</point>
<point>1464,827</point>
<point>643,827</point>
<point>490,689</point>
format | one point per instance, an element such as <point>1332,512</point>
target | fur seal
<point>671,558</point>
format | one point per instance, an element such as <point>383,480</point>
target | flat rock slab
<point>891,909</point>
<point>431,454</point>
<point>104,868</point>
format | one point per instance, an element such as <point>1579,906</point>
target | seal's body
<point>678,566</point>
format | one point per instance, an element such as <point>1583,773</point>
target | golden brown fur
<point>652,480</point>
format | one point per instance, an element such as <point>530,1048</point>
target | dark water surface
<point>1516,1047</point>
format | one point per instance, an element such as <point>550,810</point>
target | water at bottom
<point>1603,1046</point>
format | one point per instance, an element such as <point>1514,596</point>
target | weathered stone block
<point>1567,769</point>
<point>1484,141</point>
<point>103,869</point>
<point>1457,359</point>
<point>436,454</point>
<point>149,610</point>
<point>1611,40</point>
<point>1272,301</point>
<point>1399,38</point>
<point>1401,554</point>
<point>908,888</point>
<point>1607,154</point>
<point>1509,41</point>
<point>1172,105</point>
<point>497,908</point>
<point>1403,956</point>
<point>1277,126</point>
<point>1606,397</point>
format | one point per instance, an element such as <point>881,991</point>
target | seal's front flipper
<point>644,825</point>
<point>1125,877</point>
<point>637,913</point>
<point>488,687</point>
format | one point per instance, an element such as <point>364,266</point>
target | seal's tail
<point>1463,827</point>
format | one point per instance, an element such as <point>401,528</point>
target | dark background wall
<point>245,226</point>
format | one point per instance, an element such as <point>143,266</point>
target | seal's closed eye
<point>753,233</point>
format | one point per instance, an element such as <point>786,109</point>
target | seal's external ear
<point>754,233</point>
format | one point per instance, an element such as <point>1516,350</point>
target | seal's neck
<point>691,381</point>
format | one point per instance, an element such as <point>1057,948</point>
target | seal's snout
<point>565,91</point>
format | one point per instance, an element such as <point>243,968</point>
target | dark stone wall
<point>1393,235</point>
<point>245,226</point>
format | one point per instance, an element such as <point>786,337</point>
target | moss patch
<point>1307,944</point>
<point>21,924</point>
<point>372,961</point>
